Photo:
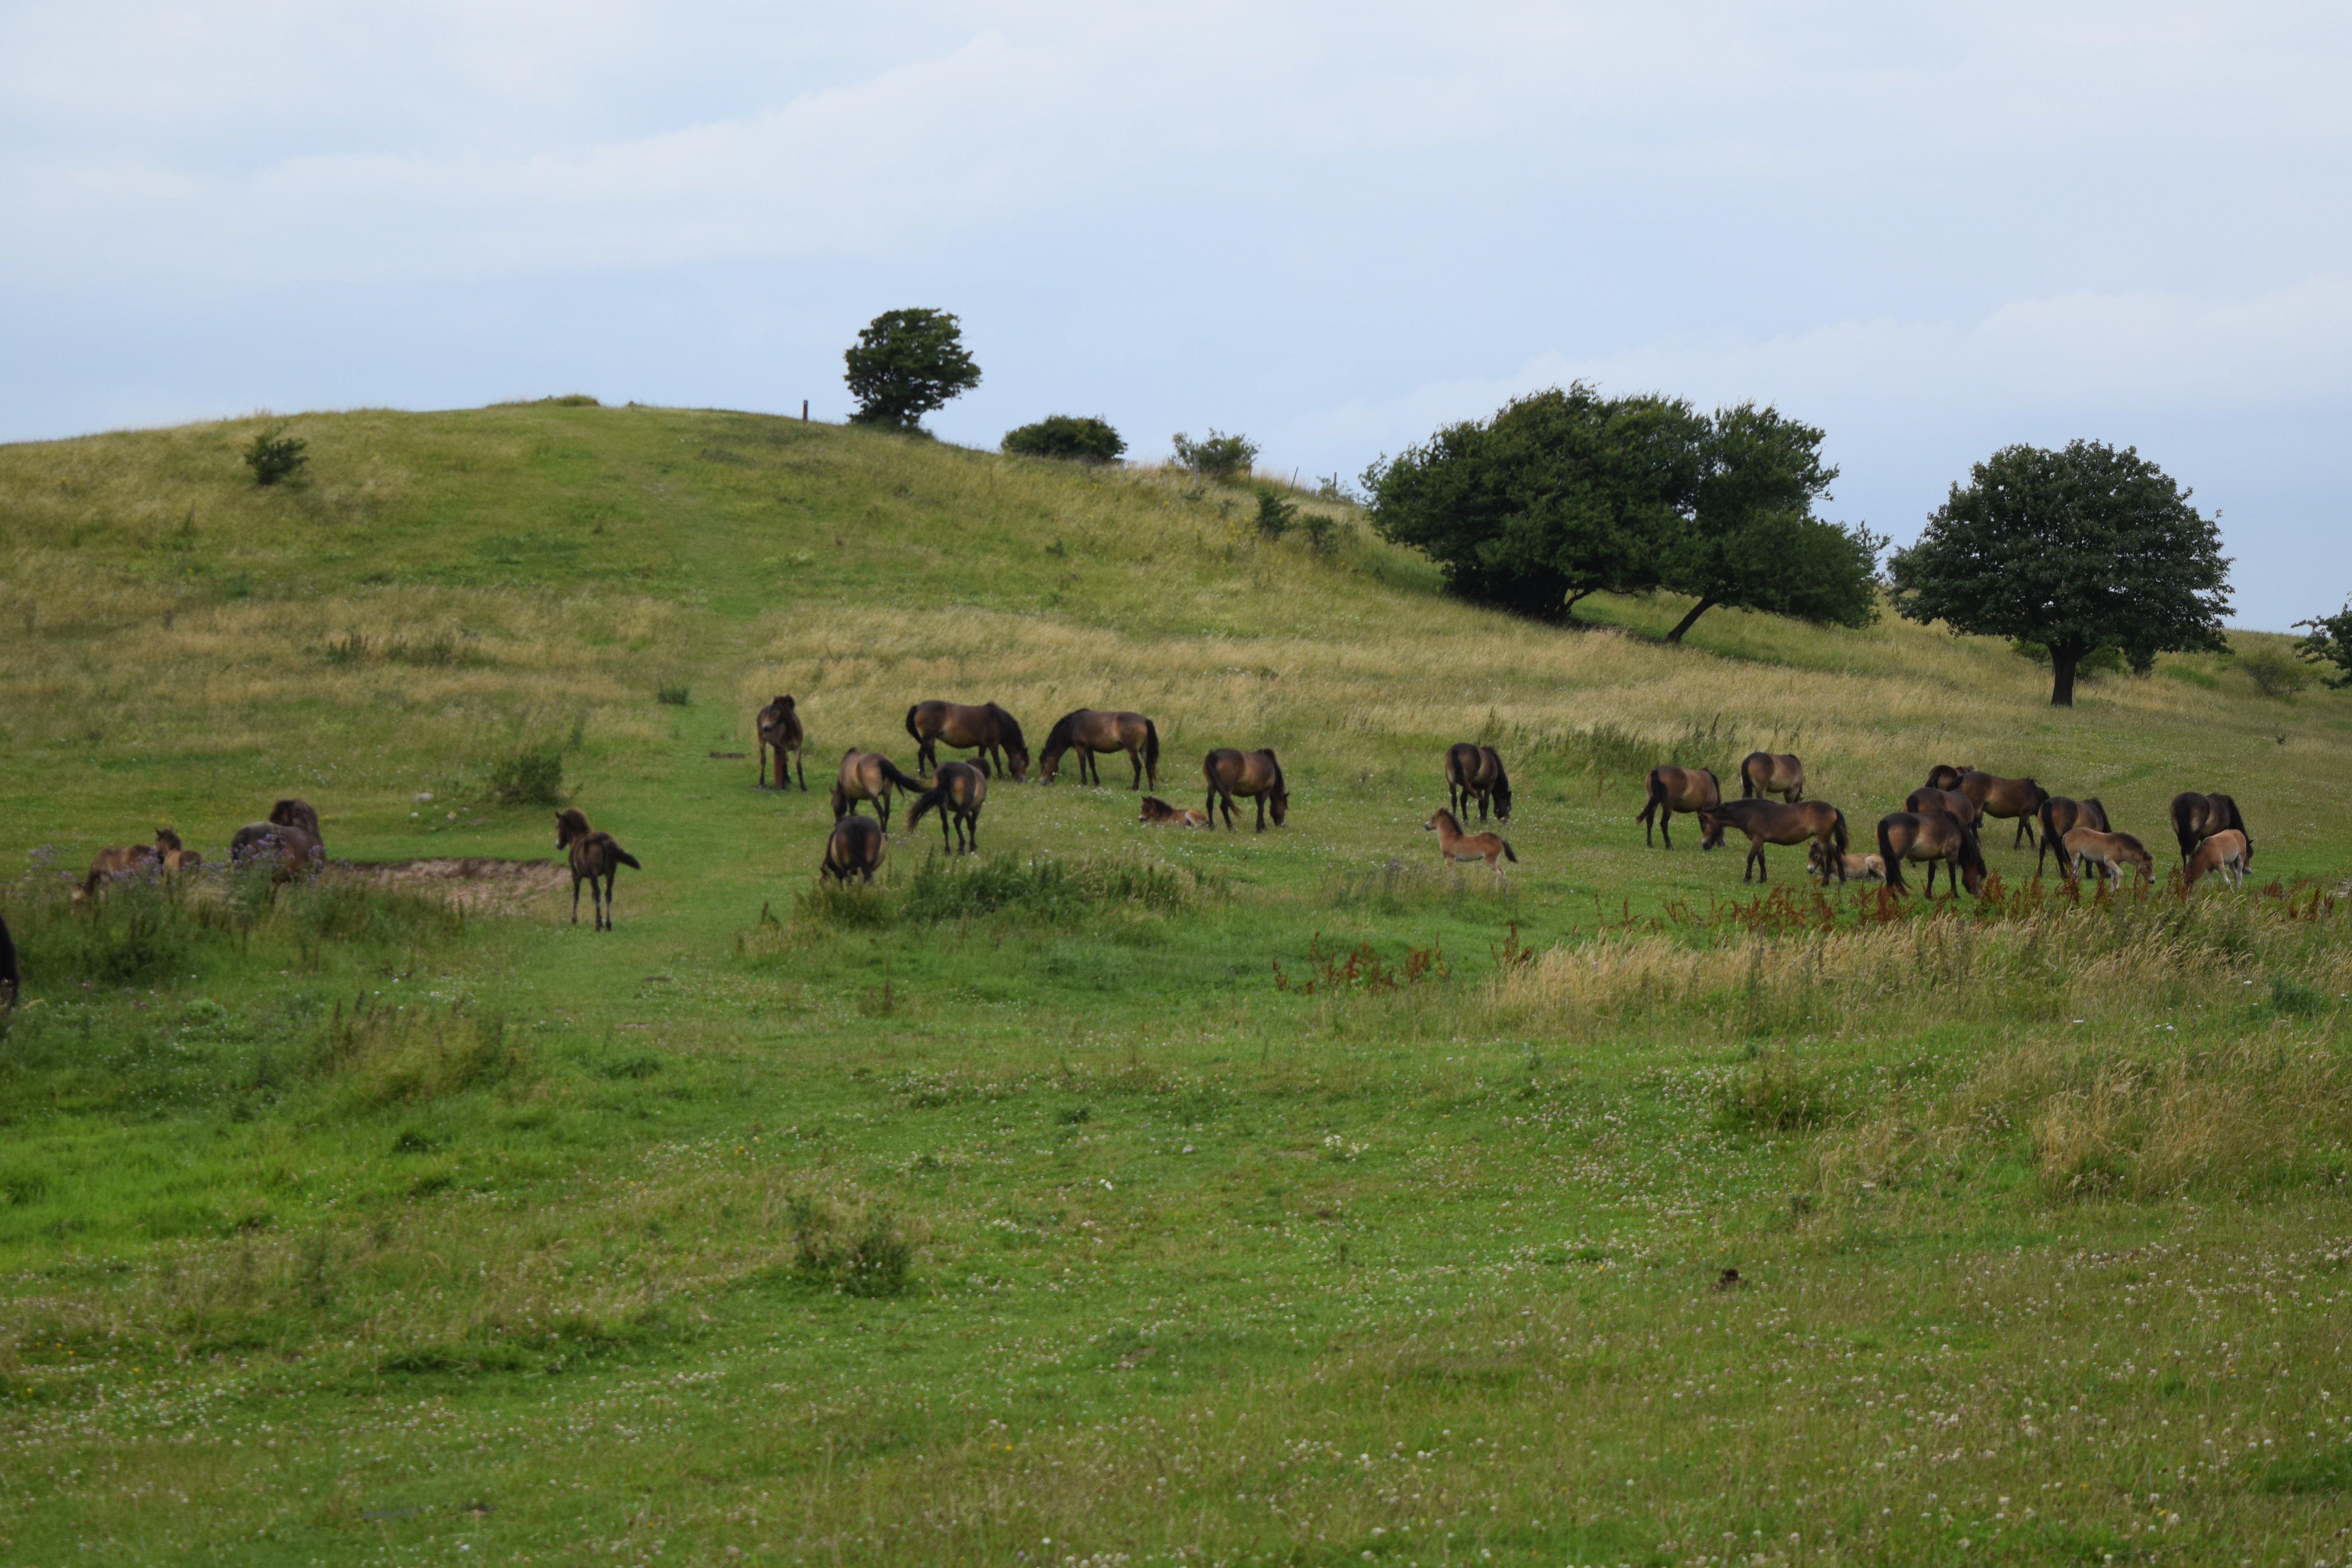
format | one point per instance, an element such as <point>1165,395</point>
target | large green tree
<point>1752,541</point>
<point>2078,549</point>
<point>1563,493</point>
<point>906,364</point>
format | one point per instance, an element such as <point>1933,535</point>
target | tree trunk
<point>2061,677</point>
<point>1568,611</point>
<point>1708,601</point>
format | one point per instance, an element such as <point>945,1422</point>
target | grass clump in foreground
<point>1174,1196</point>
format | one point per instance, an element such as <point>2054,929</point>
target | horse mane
<point>1268,752</point>
<point>1971,852</point>
<point>1011,739</point>
<point>1502,779</point>
<point>1057,739</point>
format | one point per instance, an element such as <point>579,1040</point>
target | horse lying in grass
<point>1771,772</point>
<point>779,725</point>
<point>855,850</point>
<point>869,775</point>
<point>1929,798</point>
<point>1997,796</point>
<point>2226,852</point>
<point>1771,822</point>
<point>1256,774</point>
<point>1937,837</point>
<point>1825,863</point>
<point>1159,814</point>
<point>2060,816</point>
<point>164,857</point>
<point>593,855</point>
<point>1453,845</point>
<point>984,727</point>
<point>1088,730</point>
<point>2197,817</point>
<point>2087,848</point>
<point>1476,772</point>
<point>1672,789</point>
<point>957,794</point>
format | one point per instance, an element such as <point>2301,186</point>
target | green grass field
<point>1125,1195</point>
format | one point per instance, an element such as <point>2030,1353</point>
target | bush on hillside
<point>2275,672</point>
<point>1215,456</point>
<point>273,454</point>
<point>1088,440</point>
<point>1275,515</point>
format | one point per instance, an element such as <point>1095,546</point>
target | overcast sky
<point>1330,227</point>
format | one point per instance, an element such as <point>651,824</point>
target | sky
<point>1332,227</point>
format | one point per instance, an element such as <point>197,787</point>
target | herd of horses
<point>1940,826</point>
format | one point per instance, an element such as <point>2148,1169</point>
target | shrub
<point>1778,1096</point>
<point>859,1250</point>
<point>528,778</point>
<point>273,454</point>
<point>1215,457</point>
<point>1322,532</point>
<point>674,695</point>
<point>2275,672</point>
<point>1088,440</point>
<point>1275,515</point>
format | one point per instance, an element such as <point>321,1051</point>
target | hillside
<point>1128,1194</point>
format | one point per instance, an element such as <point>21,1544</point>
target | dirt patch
<point>480,884</point>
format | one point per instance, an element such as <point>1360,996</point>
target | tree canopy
<point>906,364</point>
<point>2330,642</point>
<point>1091,441</point>
<point>2074,549</point>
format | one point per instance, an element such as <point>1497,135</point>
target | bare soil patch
<point>480,884</point>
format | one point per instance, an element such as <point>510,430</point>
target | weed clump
<point>1777,1094</point>
<point>273,456</point>
<point>856,1249</point>
<point>528,778</point>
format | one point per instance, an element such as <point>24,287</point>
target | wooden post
<point>804,410</point>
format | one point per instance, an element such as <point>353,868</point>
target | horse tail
<point>1657,798</point>
<point>625,858</point>
<point>1151,749</point>
<point>934,796</point>
<point>1837,831</point>
<point>1892,862</point>
<point>1514,859</point>
<point>1747,790</point>
<point>918,734</point>
<point>890,771</point>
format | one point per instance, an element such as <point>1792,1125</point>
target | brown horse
<point>855,848</point>
<point>124,861</point>
<point>288,842</point>
<point>985,728</point>
<point>2110,852</point>
<point>869,775</point>
<point>1092,730</point>
<point>2197,817</point>
<point>1824,863</point>
<point>2060,816</point>
<point>1674,789</point>
<point>1944,776</point>
<point>1996,796</point>
<point>1453,844</point>
<point>1476,772</point>
<point>594,855</point>
<point>1159,814</point>
<point>2226,852</point>
<point>779,725</point>
<point>1771,822</point>
<point>1771,772</point>
<point>1951,800</point>
<point>1255,774</point>
<point>957,794</point>
<point>1936,838</point>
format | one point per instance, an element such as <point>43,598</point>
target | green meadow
<point>1118,1195</point>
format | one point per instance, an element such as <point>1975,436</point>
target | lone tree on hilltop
<point>2077,550</point>
<point>906,364</point>
<point>1753,541</point>
<point>1563,493</point>
<point>1214,456</point>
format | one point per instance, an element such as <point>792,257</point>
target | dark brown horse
<point>1255,774</point>
<point>1771,822</point>
<point>1936,837</point>
<point>1996,796</point>
<point>1932,799</point>
<point>1944,776</point>
<point>957,793</point>
<point>1159,814</point>
<point>779,725</point>
<point>595,857</point>
<point>855,848</point>
<point>1674,789</point>
<point>2060,816</point>
<point>1092,730</point>
<point>869,775</point>
<point>290,841</point>
<point>1476,772</point>
<point>986,729</point>
<point>2197,817</point>
<point>1771,772</point>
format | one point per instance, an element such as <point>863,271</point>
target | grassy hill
<point>1196,1198</point>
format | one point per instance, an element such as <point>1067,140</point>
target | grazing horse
<point>1825,863</point>
<point>130,859</point>
<point>1159,814</point>
<point>2110,852</point>
<point>1771,822</point>
<point>1257,774</point>
<point>1771,772</point>
<point>593,856</point>
<point>957,794</point>
<point>1951,800</point>
<point>986,729</point>
<point>1998,796</point>
<point>1944,776</point>
<point>1476,772</point>
<point>10,982</point>
<point>855,848</point>
<point>2060,816</point>
<point>2197,817</point>
<point>1092,730</point>
<point>2226,852</point>
<point>869,775</point>
<point>1674,789</point>
<point>1936,837</point>
<point>1453,844</point>
<point>779,725</point>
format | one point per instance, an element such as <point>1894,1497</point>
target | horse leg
<point>1666,826</point>
<point>800,765</point>
<point>1931,876</point>
<point>1135,757</point>
<point>575,900</point>
<point>1260,799</point>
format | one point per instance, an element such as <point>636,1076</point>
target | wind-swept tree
<point>906,364</point>
<point>2330,642</point>
<point>2076,549</point>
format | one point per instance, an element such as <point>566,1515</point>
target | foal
<point>593,854</point>
<point>1159,814</point>
<point>2109,853</point>
<point>2226,852</point>
<point>130,860</point>
<point>2196,817</point>
<point>2060,816</point>
<point>779,725</point>
<point>1453,844</point>
<point>957,793</point>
